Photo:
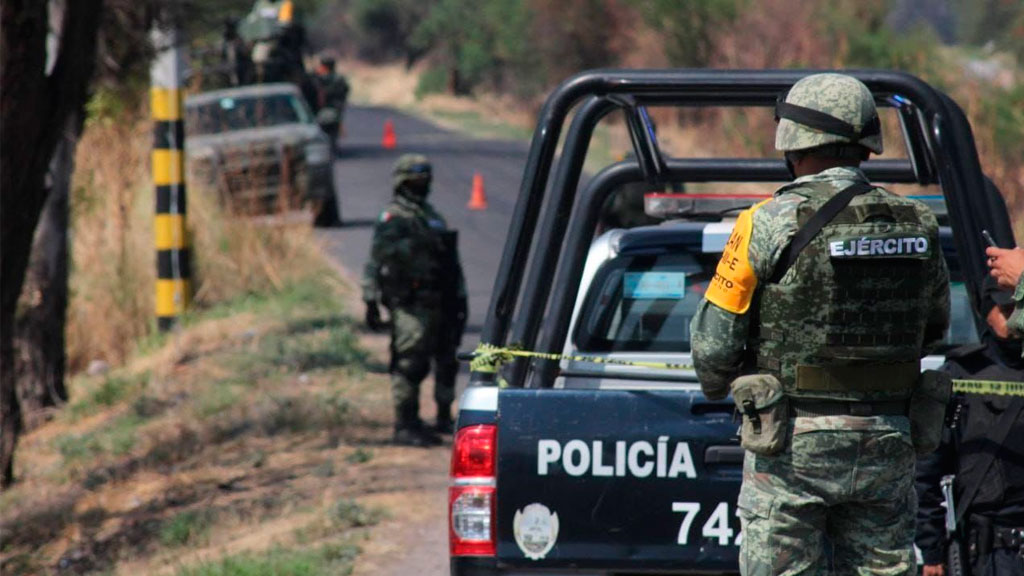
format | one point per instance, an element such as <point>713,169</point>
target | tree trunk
<point>39,333</point>
<point>34,109</point>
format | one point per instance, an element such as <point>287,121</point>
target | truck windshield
<point>644,303</point>
<point>243,112</point>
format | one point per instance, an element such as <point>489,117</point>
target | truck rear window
<point>244,112</point>
<point>644,303</point>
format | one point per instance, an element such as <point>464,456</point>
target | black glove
<point>373,321</point>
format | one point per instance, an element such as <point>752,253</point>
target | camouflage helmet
<point>827,109</point>
<point>411,167</point>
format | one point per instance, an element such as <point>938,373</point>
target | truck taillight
<point>471,497</point>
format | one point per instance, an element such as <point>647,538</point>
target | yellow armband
<point>732,287</point>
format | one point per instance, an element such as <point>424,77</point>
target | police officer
<point>414,271</point>
<point>829,332</point>
<point>983,446</point>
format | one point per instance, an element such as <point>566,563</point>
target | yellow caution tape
<point>488,359</point>
<point>989,387</point>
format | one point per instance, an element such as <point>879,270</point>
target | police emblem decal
<point>536,530</point>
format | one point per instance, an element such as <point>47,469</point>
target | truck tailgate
<point>602,479</point>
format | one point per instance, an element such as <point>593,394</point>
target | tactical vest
<point>415,275</point>
<point>847,322</point>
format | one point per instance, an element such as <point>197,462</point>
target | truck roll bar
<point>938,137</point>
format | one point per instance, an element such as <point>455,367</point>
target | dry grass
<point>238,435</point>
<point>113,255</point>
<point>795,41</point>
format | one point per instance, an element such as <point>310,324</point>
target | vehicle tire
<point>326,213</point>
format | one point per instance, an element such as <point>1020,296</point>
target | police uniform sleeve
<point>1016,320</point>
<point>720,328</point>
<point>931,515</point>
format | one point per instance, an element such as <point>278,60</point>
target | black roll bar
<point>940,142</point>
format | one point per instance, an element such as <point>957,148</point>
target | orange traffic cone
<point>389,140</point>
<point>478,198</point>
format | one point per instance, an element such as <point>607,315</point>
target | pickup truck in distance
<point>571,466</point>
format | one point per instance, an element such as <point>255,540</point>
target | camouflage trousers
<point>843,482</point>
<point>420,335</point>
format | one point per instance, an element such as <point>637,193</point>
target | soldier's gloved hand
<point>373,321</point>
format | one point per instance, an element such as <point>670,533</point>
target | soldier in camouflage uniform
<point>835,343</point>
<point>414,271</point>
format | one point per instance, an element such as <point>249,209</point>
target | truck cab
<point>601,455</point>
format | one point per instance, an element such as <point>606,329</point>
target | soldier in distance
<point>414,271</point>
<point>820,345</point>
<point>982,445</point>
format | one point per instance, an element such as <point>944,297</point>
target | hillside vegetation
<point>512,53</point>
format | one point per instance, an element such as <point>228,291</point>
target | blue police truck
<point>603,457</point>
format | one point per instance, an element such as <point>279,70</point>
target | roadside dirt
<point>413,538</point>
<point>297,459</point>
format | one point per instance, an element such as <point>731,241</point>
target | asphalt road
<point>362,176</point>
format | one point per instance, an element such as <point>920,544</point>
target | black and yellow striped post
<point>173,284</point>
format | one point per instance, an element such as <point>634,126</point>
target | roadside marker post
<point>173,284</point>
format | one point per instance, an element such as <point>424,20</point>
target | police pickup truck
<point>569,464</point>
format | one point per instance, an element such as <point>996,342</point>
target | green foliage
<point>1003,110</point>
<point>360,456</point>
<point>189,527</point>
<point>860,27</point>
<point>689,26</point>
<point>216,399</point>
<point>112,390</point>
<point>325,560</point>
<point>349,514</point>
<point>477,39</point>
<point>116,438</point>
<point>314,344</point>
<point>1000,22</point>
<point>433,81</point>
<point>386,26</point>
<point>311,294</point>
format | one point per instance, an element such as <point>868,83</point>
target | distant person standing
<point>329,92</point>
<point>414,271</point>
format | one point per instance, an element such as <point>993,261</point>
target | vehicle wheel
<point>326,213</point>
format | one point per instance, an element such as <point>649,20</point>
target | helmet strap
<point>825,122</point>
<point>789,165</point>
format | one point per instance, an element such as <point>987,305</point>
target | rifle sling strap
<point>813,226</point>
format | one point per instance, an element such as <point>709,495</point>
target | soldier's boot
<point>412,437</point>
<point>409,430</point>
<point>444,424</point>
